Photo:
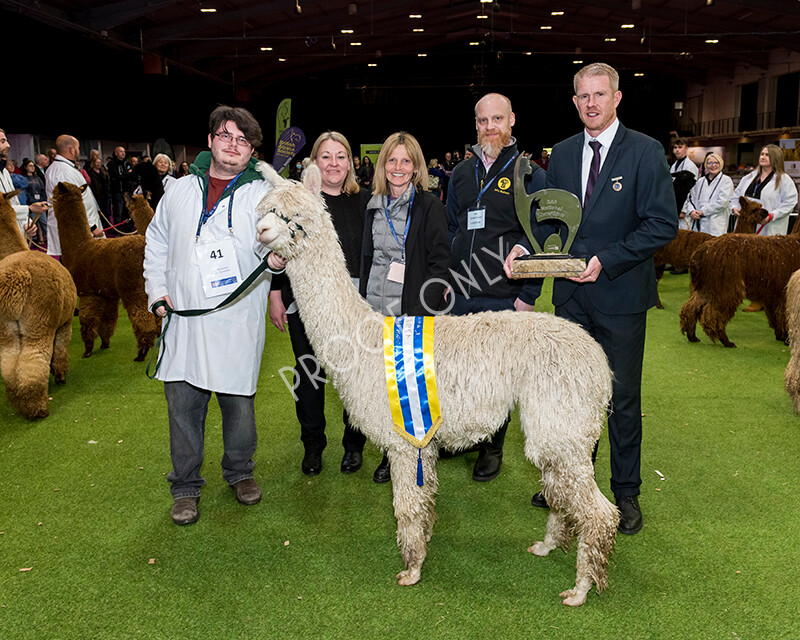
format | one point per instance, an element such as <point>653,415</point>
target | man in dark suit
<point>621,177</point>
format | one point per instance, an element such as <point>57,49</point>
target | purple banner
<point>289,145</point>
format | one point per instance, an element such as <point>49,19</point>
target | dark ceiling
<point>157,65</point>
<point>668,36</point>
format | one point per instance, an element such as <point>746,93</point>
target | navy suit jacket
<point>622,226</point>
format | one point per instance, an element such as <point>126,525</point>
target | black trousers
<point>622,338</point>
<point>309,389</point>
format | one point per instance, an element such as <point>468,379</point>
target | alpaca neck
<point>73,229</point>
<point>337,320</point>
<point>11,240</point>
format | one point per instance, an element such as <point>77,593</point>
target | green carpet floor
<point>87,548</point>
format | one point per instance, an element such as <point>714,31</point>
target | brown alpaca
<point>37,300</point>
<point>679,252</point>
<point>140,211</point>
<point>737,266</point>
<point>105,271</point>
<point>791,377</point>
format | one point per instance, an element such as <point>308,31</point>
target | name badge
<point>397,272</point>
<point>219,267</point>
<point>476,219</point>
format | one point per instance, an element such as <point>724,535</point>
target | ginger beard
<point>493,145</point>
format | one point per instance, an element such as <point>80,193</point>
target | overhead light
<point>266,48</point>
<point>527,53</point>
<point>422,55</point>
<point>481,16</point>
<point>712,41</point>
<point>556,13</point>
<point>545,27</point>
<point>709,3</point>
<point>415,16</point>
<point>474,44</point>
<point>355,44</point>
<point>418,30</point>
<point>638,75</point>
<point>611,39</point>
<point>372,64</point>
<point>627,26</point>
<point>208,10</point>
<point>297,8</point>
<point>577,62</point>
<point>281,59</point>
<point>347,31</point>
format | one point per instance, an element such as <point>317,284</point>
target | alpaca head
<point>66,194</point>
<point>290,212</point>
<point>750,210</point>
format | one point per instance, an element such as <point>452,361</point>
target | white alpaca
<point>486,364</point>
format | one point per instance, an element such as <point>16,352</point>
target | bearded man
<point>483,228</point>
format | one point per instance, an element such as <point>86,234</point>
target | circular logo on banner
<point>504,183</point>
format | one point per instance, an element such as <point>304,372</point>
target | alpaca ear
<point>270,175</point>
<point>83,187</point>
<point>312,179</point>
<point>743,201</point>
<point>10,194</point>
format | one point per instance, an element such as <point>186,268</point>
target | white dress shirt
<point>605,139</point>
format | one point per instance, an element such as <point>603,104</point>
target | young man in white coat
<point>200,246</point>
<point>23,211</point>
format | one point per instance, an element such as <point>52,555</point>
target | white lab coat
<point>63,170</point>
<point>779,202</point>
<point>220,351</point>
<point>22,211</point>
<point>686,165</point>
<point>713,200</point>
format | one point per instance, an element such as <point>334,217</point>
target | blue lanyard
<point>408,224</point>
<point>488,184</point>
<point>205,214</point>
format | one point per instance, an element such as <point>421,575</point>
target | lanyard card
<point>219,268</point>
<point>476,218</point>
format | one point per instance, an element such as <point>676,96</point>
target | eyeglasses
<point>227,137</point>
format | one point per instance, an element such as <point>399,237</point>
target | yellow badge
<point>504,183</point>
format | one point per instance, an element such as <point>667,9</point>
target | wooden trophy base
<point>548,265</point>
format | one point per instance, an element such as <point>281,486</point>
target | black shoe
<point>487,466</point>
<point>383,473</point>
<point>538,500</point>
<point>312,463</point>
<point>351,462</point>
<point>630,516</point>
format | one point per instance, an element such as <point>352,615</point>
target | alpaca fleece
<point>733,267</point>
<point>37,300</point>
<point>105,271</point>
<point>791,377</point>
<point>486,364</point>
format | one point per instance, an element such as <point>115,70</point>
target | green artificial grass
<point>84,504</point>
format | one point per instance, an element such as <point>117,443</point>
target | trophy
<point>553,260</point>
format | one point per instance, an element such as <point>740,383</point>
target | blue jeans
<point>187,407</point>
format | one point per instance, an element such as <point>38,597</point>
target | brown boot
<point>754,306</point>
<point>184,511</point>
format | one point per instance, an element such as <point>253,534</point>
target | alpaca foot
<point>408,577</point>
<point>693,338</point>
<point>574,597</point>
<point>141,355</point>
<point>105,345</point>
<point>728,344</point>
<point>34,410</point>
<point>60,379</point>
<point>540,549</point>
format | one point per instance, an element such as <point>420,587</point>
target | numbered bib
<point>219,267</point>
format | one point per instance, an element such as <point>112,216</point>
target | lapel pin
<point>616,183</point>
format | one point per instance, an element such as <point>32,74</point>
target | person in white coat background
<point>775,190</point>
<point>201,245</point>
<point>707,206</point>
<point>23,211</point>
<point>64,168</point>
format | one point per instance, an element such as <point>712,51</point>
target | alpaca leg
<point>715,318</point>
<point>414,508</point>
<point>688,316</point>
<point>33,375</point>
<point>145,328</point>
<point>109,312</point>
<point>89,312</point>
<point>10,346</point>
<point>776,317</point>
<point>60,361</point>
<point>791,380</point>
